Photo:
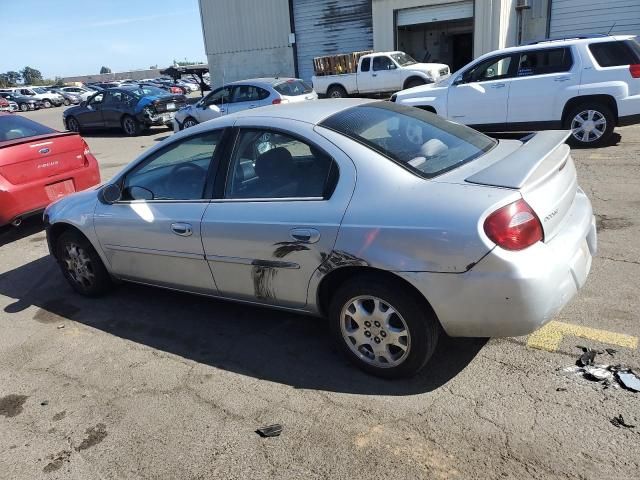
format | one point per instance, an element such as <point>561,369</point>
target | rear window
<point>617,53</point>
<point>14,126</point>
<point>417,140</point>
<point>293,88</point>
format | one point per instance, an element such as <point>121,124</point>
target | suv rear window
<point>293,88</point>
<point>14,126</point>
<point>616,53</point>
<point>419,141</point>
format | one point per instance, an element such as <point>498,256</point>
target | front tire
<point>336,91</point>
<point>130,126</point>
<point>73,125</point>
<point>24,107</point>
<point>383,329</point>
<point>189,122</point>
<point>66,102</point>
<point>47,103</point>
<point>81,265</point>
<point>591,125</point>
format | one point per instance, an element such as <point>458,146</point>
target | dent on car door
<point>279,213</point>
<point>152,234</point>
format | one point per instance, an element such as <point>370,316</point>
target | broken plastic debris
<point>619,422</point>
<point>597,372</point>
<point>629,381</point>
<point>587,358</point>
<point>561,389</point>
<point>270,431</point>
<point>60,326</point>
<point>611,351</point>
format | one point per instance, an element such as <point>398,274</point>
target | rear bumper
<point>629,110</point>
<point>24,199</point>
<point>159,119</point>
<point>514,293</point>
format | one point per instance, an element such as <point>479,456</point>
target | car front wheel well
<point>590,100</point>
<point>56,230</point>
<point>332,282</point>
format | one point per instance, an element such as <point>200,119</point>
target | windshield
<point>40,90</point>
<point>417,140</point>
<point>403,59</point>
<point>139,92</point>
<point>293,88</point>
<point>14,126</point>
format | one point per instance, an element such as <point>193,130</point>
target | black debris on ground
<point>619,422</point>
<point>270,431</point>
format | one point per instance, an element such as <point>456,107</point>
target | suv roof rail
<point>560,39</point>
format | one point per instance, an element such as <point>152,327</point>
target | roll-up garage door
<point>582,17</point>
<point>330,27</point>
<point>435,13</point>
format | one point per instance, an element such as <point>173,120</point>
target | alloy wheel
<point>129,126</point>
<point>375,331</point>
<point>189,122</point>
<point>588,126</point>
<point>335,94</point>
<point>47,104</point>
<point>24,107</point>
<point>73,125</point>
<point>78,265</point>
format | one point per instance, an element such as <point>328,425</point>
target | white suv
<point>588,85</point>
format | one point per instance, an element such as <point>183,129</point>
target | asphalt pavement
<point>148,384</point>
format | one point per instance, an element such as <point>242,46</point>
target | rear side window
<point>365,65</point>
<point>540,62</point>
<point>617,53</point>
<point>419,141</point>
<point>293,88</point>
<point>14,126</point>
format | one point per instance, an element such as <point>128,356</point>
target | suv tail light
<point>514,227</point>
<point>635,70</point>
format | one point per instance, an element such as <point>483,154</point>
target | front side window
<point>218,97</point>
<point>540,62</point>
<point>417,140</point>
<point>96,99</point>
<point>114,98</point>
<point>269,164</point>
<point>178,172</point>
<point>382,63</point>
<point>496,68</point>
<point>617,53</point>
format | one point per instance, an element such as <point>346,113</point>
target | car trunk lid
<point>171,103</point>
<point>544,173</point>
<point>30,159</point>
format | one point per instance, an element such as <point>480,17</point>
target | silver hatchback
<point>391,222</point>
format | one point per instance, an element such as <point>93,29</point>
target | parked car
<point>24,102</point>
<point>106,85</point>
<point>39,165</point>
<point>94,88</point>
<point>170,83</point>
<point>47,98</point>
<point>391,221</point>
<point>4,105</point>
<point>13,106</point>
<point>82,92</point>
<point>380,73</point>
<point>241,95</point>
<point>588,85</point>
<point>130,108</point>
<point>163,86</point>
<point>69,98</point>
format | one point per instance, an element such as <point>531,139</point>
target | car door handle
<point>374,74</point>
<point>182,229</point>
<point>253,106</point>
<point>498,85</point>
<point>305,235</point>
<point>562,79</point>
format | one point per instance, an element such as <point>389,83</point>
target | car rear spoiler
<point>35,138</point>
<point>514,170</point>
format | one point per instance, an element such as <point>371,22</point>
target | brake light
<point>278,101</point>
<point>635,70</point>
<point>85,152</point>
<point>514,227</point>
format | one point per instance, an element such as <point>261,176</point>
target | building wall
<point>109,77</point>
<point>246,38</point>
<point>494,23</point>
<point>535,21</point>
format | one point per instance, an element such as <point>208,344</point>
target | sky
<point>77,37</point>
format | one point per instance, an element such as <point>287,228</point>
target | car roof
<point>314,111</point>
<point>554,42</point>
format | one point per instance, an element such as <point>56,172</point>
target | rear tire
<point>24,107</point>
<point>130,126</point>
<point>389,345</point>
<point>66,102</point>
<point>591,124</point>
<point>81,265</point>
<point>336,91</point>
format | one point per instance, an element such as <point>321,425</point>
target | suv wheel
<point>590,125</point>
<point>24,107</point>
<point>47,103</point>
<point>383,329</point>
<point>81,265</point>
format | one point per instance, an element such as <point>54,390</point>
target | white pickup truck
<point>379,73</point>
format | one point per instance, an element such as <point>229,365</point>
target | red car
<point>4,105</point>
<point>39,165</point>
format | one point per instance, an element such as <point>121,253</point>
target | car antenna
<point>609,32</point>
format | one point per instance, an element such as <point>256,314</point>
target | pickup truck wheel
<point>47,103</point>
<point>414,82</point>
<point>382,328</point>
<point>591,125</point>
<point>336,91</point>
<point>130,126</point>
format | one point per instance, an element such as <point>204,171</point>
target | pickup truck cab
<point>379,73</point>
<point>588,85</point>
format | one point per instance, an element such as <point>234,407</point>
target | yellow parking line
<point>550,336</point>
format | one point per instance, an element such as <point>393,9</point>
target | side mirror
<point>111,193</point>
<point>458,80</point>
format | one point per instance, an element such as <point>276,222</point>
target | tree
<point>10,78</point>
<point>105,70</point>
<point>30,75</point>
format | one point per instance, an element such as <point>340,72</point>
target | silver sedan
<point>393,223</point>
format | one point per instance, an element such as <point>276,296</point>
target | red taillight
<point>85,152</point>
<point>276,101</point>
<point>635,70</point>
<point>514,227</point>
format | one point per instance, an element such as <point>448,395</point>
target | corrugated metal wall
<point>244,25</point>
<point>325,27</point>
<point>435,13</point>
<point>580,17</point>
